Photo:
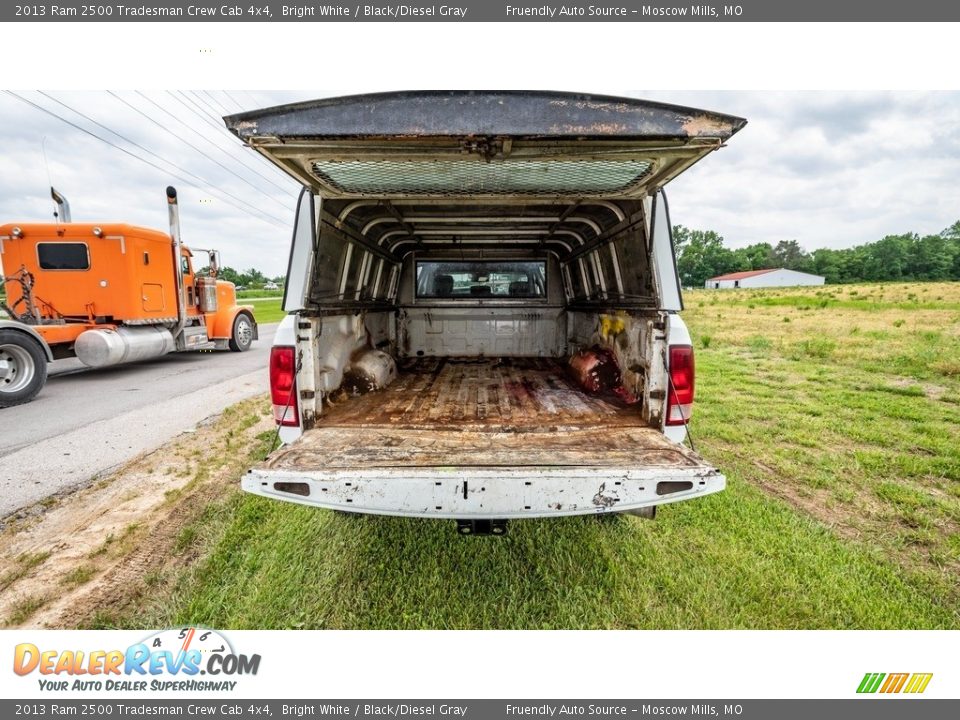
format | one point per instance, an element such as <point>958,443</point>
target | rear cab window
<point>63,256</point>
<point>479,279</point>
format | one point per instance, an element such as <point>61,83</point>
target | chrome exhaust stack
<point>173,210</point>
<point>63,207</point>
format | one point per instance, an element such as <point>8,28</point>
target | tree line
<point>702,254</point>
<point>251,278</point>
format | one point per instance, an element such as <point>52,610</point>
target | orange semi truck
<point>107,294</point>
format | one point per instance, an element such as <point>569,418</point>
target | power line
<point>194,147</point>
<point>207,107</point>
<point>204,106</point>
<point>173,164</point>
<point>194,108</point>
<point>213,144</point>
<point>122,137</point>
<point>215,100</point>
<point>226,109</point>
<point>274,221</point>
<point>233,100</point>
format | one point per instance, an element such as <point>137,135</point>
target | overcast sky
<point>827,169</point>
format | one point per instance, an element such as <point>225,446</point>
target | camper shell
<point>483,297</point>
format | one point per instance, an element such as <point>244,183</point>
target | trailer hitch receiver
<point>482,527</point>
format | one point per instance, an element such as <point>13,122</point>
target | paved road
<point>85,421</point>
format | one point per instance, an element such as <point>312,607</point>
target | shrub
<point>814,347</point>
<point>948,368</point>
<point>759,343</point>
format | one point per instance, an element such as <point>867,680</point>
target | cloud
<point>225,195</point>
<point>827,169</point>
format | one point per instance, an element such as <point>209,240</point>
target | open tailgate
<point>473,473</point>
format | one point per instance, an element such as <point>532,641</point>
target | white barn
<point>772,277</point>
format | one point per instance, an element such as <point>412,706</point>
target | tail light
<point>283,385</point>
<point>680,394</point>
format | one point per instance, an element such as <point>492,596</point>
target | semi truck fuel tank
<point>100,348</point>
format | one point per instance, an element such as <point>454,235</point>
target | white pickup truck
<point>483,303</point>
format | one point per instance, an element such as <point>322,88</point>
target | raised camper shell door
<point>663,254</point>
<point>473,144</point>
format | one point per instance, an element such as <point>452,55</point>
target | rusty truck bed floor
<point>480,413</point>
<point>524,394</point>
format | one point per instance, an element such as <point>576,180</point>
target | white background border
<point>592,57</point>
<point>339,664</point>
<point>589,57</point>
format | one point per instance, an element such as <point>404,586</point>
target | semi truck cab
<point>106,293</point>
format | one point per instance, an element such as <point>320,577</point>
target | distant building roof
<point>744,274</point>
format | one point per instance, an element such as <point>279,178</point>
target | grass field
<point>247,294</point>
<point>267,311</point>
<point>835,414</point>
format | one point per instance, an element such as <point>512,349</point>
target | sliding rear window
<point>472,280</point>
<point>63,256</point>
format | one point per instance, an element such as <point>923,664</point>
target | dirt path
<point>70,560</point>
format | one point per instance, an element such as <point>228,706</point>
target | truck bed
<point>491,394</point>
<point>481,438</point>
<point>495,412</point>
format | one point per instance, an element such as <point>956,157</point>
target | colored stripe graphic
<point>870,682</point>
<point>894,683</point>
<point>918,683</point>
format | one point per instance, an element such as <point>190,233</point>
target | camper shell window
<point>63,256</point>
<point>470,280</point>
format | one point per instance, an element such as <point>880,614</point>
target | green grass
<point>80,575</point>
<point>848,415</point>
<point>24,608</point>
<point>840,438</point>
<point>23,564</point>
<point>246,294</point>
<point>736,560</point>
<point>268,311</point>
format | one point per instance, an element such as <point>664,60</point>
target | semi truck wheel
<point>23,368</point>
<point>242,337</point>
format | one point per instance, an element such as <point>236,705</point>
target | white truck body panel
<point>503,493</point>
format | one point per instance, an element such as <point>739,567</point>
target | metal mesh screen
<point>474,176</point>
